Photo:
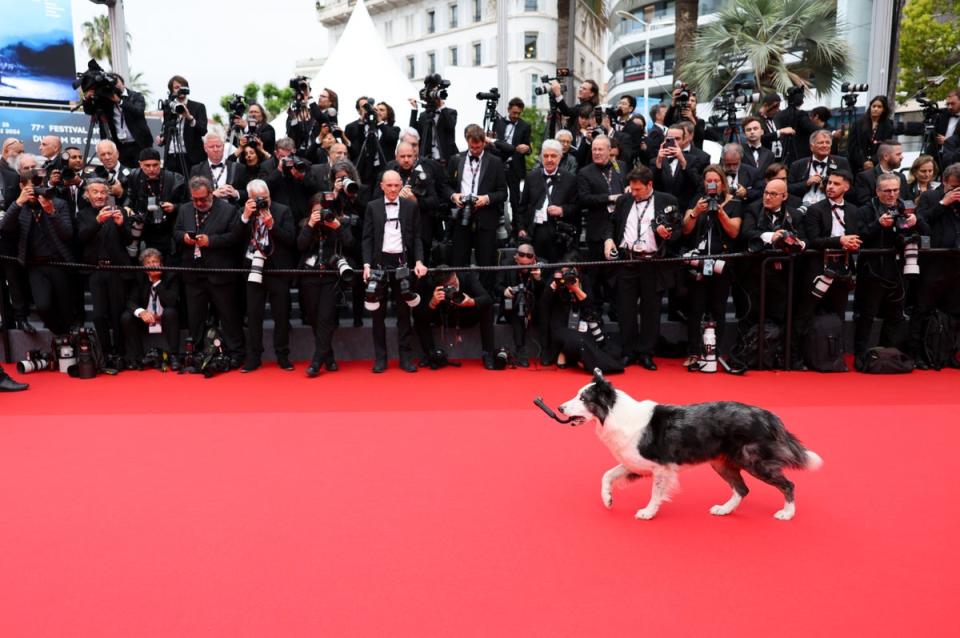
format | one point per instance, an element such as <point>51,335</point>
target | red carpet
<point>446,504</point>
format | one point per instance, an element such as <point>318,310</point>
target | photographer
<point>477,187</point>
<point>519,292</point>
<point>588,95</point>
<point>104,235</point>
<point>155,195</point>
<point>796,119</point>
<point>683,108</point>
<point>587,131</point>
<point>569,162</point>
<point>756,154</point>
<point>677,167</point>
<point>512,144</point>
<point>271,245</point>
<point>44,230</point>
<point>947,127</point>
<point>458,301</point>
<point>868,132</point>
<point>807,177</point>
<point>349,198</point>
<point>128,126</point>
<point>391,240</point>
<point>229,179</point>
<point>547,215</point>
<point>627,132</point>
<point>113,172</point>
<point>254,126</point>
<point>743,181</point>
<point>371,141</point>
<point>184,125</point>
<point>939,287</point>
<point>889,157</point>
<point>302,124</point>
<point>322,242</point>
<point>207,233</point>
<point>67,179</point>
<point>14,273</point>
<point>291,179</point>
<point>151,309</point>
<point>420,187</point>
<point>639,230</point>
<point>883,223</point>
<point>437,124</point>
<point>575,329</point>
<point>713,225</point>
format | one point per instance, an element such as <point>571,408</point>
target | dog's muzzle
<point>572,421</point>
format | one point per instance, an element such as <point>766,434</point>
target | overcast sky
<point>218,45</point>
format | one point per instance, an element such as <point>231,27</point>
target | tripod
<point>173,141</point>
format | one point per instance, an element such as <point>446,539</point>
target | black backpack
<point>823,345</point>
<point>939,340</point>
<point>746,350</point>
<point>886,361</point>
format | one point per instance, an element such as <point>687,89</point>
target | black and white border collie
<point>658,440</point>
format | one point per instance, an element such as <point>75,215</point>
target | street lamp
<point>647,67</point>
<point>118,36</point>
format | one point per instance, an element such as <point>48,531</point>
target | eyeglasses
<point>889,190</point>
<point>525,255</point>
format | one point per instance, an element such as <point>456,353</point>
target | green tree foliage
<point>782,42</point>
<point>273,99</point>
<point>929,46</point>
<point>96,39</point>
<point>538,127</point>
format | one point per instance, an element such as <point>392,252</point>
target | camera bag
<point>886,361</point>
<point>823,345</point>
<point>746,350</point>
<point>939,340</point>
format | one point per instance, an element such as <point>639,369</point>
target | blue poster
<point>29,125</point>
<point>36,51</point>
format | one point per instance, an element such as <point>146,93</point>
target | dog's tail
<point>796,455</point>
<point>814,462</point>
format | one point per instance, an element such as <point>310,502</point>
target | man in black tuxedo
<point>599,185</point>
<point>14,273</point>
<point>774,137</point>
<point>883,223</point>
<point>207,233</point>
<point>939,273</point>
<point>830,224</point>
<point>627,132</point>
<point>549,206</point>
<point>633,235</point>
<point>512,145</point>
<point>68,180</point>
<point>157,194</point>
<point>947,125</point>
<point>889,158</point>
<point>104,235</point>
<point>677,171</point>
<point>271,245</point>
<point>420,187</point>
<point>470,305</point>
<point>755,153</point>
<point>391,240</point>
<point>229,179</point>
<point>372,142</point>
<point>115,174</point>
<point>796,119</point>
<point>128,126</point>
<point>807,177</point>
<point>292,180</point>
<point>588,95</point>
<point>478,174</point>
<point>519,292</point>
<point>184,125</point>
<point>744,181</point>
<point>152,309</point>
<point>438,131</point>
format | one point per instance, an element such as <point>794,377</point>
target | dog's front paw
<point>646,513</point>
<point>607,497</point>
<point>720,510</point>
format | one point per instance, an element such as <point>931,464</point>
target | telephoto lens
<point>256,269</point>
<point>371,296</point>
<point>342,266</point>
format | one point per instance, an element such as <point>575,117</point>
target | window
<point>477,10</point>
<point>388,31</point>
<point>583,66</point>
<point>530,5</point>
<point>454,56</point>
<point>530,46</point>
<point>477,54</point>
<point>408,24</point>
<point>411,67</point>
<point>534,83</point>
<point>454,16</point>
<point>431,21</point>
<point>431,63</point>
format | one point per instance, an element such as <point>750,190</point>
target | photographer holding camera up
<point>154,195</point>
<point>322,242</point>
<point>271,245</point>
<point>253,126</point>
<point>184,125</point>
<point>371,140</point>
<point>458,301</point>
<point>437,124</point>
<point>301,123</point>
<point>151,309</point>
<point>520,292</point>
<point>947,127</point>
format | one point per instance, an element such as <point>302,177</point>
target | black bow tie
<point>391,204</point>
<point>216,165</point>
<point>474,159</point>
<point>819,164</point>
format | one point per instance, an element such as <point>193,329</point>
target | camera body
<point>173,104</point>
<point>670,217</point>
<point>453,294</point>
<point>569,277</point>
<point>682,101</point>
<point>493,94</point>
<point>103,85</point>
<point>795,96</point>
<point>788,242</point>
<point>292,162</point>
<point>237,106</point>
<point>343,268</point>
<point>469,203</point>
<point>434,89</point>
<point>371,295</point>
<point>262,203</point>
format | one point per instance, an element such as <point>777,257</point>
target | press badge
<point>573,320</point>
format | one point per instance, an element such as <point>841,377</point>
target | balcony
<point>332,13</point>
<point>630,39</point>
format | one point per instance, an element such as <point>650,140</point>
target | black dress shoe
<point>408,366</point>
<point>332,365</point>
<point>646,361</point>
<point>379,366</point>
<point>250,367</point>
<point>953,363</point>
<point>133,365</point>
<point>313,370</point>
<point>547,360</point>
<point>628,360</point>
<point>9,385</point>
<point>523,362</point>
<point>487,360</point>
<point>26,326</point>
<point>920,364</point>
<point>284,364</point>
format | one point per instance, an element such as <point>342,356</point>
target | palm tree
<point>783,43</point>
<point>686,14</point>
<point>96,38</point>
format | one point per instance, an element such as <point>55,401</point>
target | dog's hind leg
<point>611,478</point>
<point>664,481</point>
<point>773,474</point>
<point>731,474</point>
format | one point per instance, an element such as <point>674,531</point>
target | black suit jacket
<point>617,223</point>
<point>795,146</point>
<point>513,161</point>
<point>102,241</point>
<point>446,132</point>
<point>799,173</point>
<point>59,227</point>
<point>535,192</point>
<point>222,225</point>
<point>387,139</point>
<point>374,221</point>
<point>756,222</point>
<point>593,192</point>
<point>168,291</point>
<point>283,238</point>
<point>236,176</point>
<point>173,189</point>
<point>133,106</point>
<point>943,221</point>
<point>192,135</point>
<point>865,186</point>
<point>684,183</point>
<point>491,182</point>
<point>764,158</point>
<point>873,235</point>
<point>818,224</point>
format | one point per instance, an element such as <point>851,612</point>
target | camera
<point>849,87</point>
<point>562,72</point>
<point>173,103</point>
<point>788,242</point>
<point>36,361</point>
<point>453,294</point>
<point>212,359</point>
<point>38,180</point>
<point>103,85</point>
<point>371,295</point>
<point>503,359</point>
<point>292,162</point>
<point>522,299</point>
<point>682,101</point>
<point>795,96</point>
<point>346,272</point>
<point>407,292</point>
<point>256,268</point>
<point>670,218</point>
<point>262,203</point>
<point>569,277</point>
<point>237,106</point>
<point>703,265</point>
<point>493,94</point>
<point>300,86</point>
<point>434,89</point>
<point>469,203</point>
<point>350,187</point>
<point>835,268</point>
<point>712,192</point>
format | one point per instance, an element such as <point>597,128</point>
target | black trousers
<point>581,347</point>
<point>938,289</point>
<point>53,294</point>
<point>877,298</point>
<point>276,290</point>
<point>707,296</point>
<point>200,295</point>
<point>16,278</point>
<point>479,315</point>
<point>109,292</point>
<point>638,281</point>
<point>484,242</point>
<point>545,244</point>
<point>135,333</point>
<point>390,289</point>
<point>318,302</point>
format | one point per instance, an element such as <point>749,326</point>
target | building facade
<point>433,36</point>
